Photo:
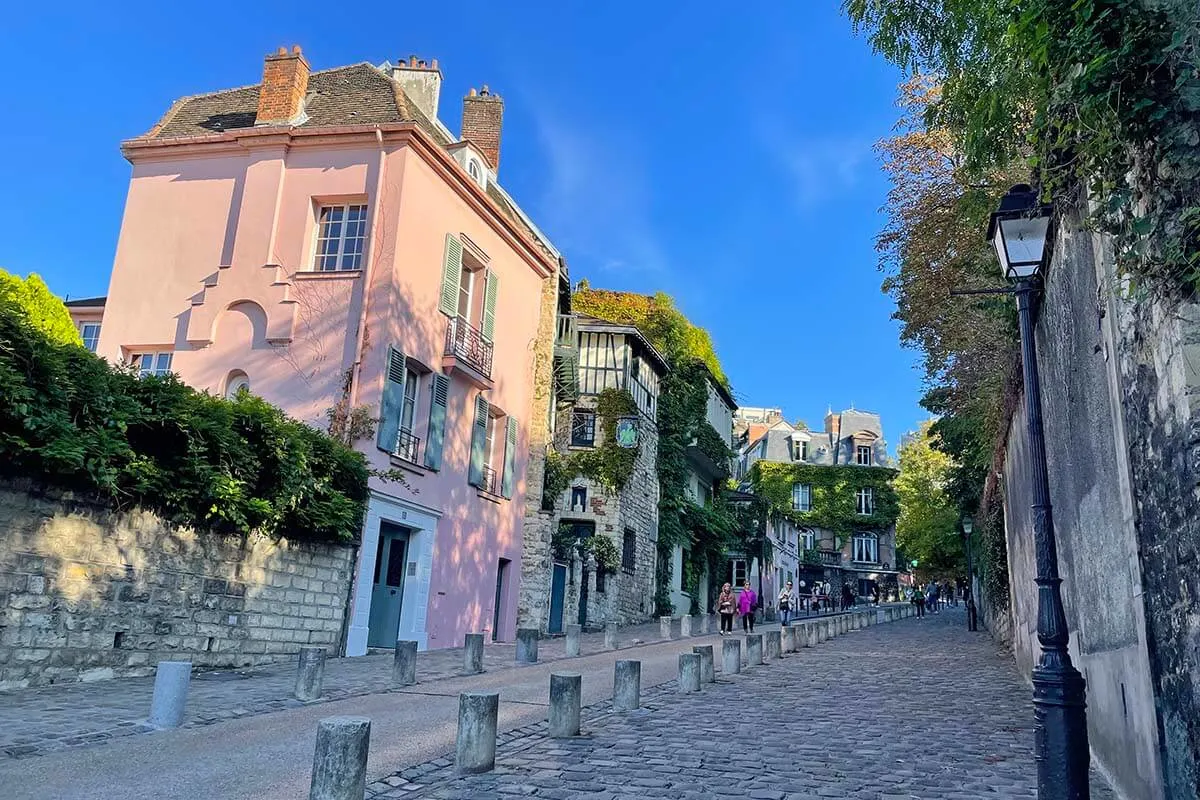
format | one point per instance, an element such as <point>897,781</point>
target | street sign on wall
<point>627,432</point>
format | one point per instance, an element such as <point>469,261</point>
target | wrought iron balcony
<point>467,346</point>
<point>408,447</point>
<point>566,358</point>
<point>490,484</point>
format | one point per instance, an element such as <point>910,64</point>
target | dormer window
<point>474,171</point>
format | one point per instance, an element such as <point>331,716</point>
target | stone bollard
<point>404,663</point>
<point>830,629</point>
<point>689,673</point>
<point>731,656</point>
<point>813,635</point>
<point>754,649</point>
<point>772,641</point>
<point>310,673</point>
<point>566,696</point>
<point>610,636</point>
<point>473,653</point>
<point>789,638</point>
<point>171,679</point>
<point>573,634</point>
<point>685,626</point>
<point>627,685</point>
<point>664,628</point>
<point>704,624</point>
<point>527,645</point>
<point>708,673</point>
<point>340,762</point>
<point>475,746</point>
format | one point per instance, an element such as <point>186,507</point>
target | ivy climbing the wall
<point>834,504</point>
<point>607,464</point>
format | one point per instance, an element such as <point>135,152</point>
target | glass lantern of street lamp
<point>1019,231</point>
<point>968,525</point>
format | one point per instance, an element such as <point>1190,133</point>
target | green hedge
<point>69,419</point>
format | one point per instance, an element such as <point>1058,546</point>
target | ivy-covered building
<point>591,527</point>
<point>832,509</point>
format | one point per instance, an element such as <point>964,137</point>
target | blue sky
<point>725,158</point>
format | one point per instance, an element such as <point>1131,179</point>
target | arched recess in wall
<point>246,320</point>
<point>235,382</point>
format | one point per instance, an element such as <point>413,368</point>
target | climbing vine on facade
<point>607,463</point>
<point>835,488</point>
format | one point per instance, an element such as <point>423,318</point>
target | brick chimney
<point>285,80</point>
<point>483,114</point>
<point>833,425</point>
<point>421,82</point>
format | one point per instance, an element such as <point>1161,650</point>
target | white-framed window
<point>151,363</point>
<point>90,333</point>
<point>865,500</point>
<point>866,548</point>
<point>799,450</point>
<point>474,171</point>
<point>802,497</point>
<point>341,234</point>
<point>737,571</point>
<point>235,383</point>
<point>862,455</point>
<point>808,539</point>
<point>408,409</point>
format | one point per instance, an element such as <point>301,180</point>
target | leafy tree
<point>927,527</point>
<point>40,307</point>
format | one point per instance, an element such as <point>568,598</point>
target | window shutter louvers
<point>510,460</point>
<point>392,403</point>
<point>439,399</point>
<point>478,442</point>
<point>488,323</point>
<point>451,273</point>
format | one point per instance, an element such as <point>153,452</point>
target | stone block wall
<point>88,594</point>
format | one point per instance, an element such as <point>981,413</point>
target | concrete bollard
<point>310,673</point>
<point>689,673</point>
<point>404,663</point>
<point>573,634</point>
<point>788,632</point>
<point>627,685</point>
<point>664,628</point>
<point>610,636</point>
<point>340,762</point>
<point>708,673</point>
<point>527,645</point>
<point>473,653</point>
<point>772,641</point>
<point>685,626</point>
<point>813,635</point>
<point>830,629</point>
<point>171,680</point>
<point>704,624</point>
<point>731,656</point>
<point>754,649</point>
<point>475,745</point>
<point>566,696</point>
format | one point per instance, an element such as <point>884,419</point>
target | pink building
<point>322,238</point>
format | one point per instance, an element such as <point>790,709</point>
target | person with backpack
<point>747,602</point>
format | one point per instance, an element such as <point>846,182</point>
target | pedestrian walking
<point>747,602</point>
<point>847,596</point>
<point>919,601</point>
<point>787,599</point>
<point>726,605</point>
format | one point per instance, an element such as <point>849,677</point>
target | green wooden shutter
<point>392,404</point>
<point>439,398</point>
<point>451,273</point>
<point>488,324</point>
<point>478,441</point>
<point>510,460</point>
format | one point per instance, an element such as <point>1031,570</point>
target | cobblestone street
<point>917,710</point>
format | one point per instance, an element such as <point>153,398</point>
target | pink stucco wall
<point>211,263</point>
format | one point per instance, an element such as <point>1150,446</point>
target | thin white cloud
<point>816,168</point>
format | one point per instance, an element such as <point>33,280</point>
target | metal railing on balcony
<point>567,335</point>
<point>466,343</point>
<point>408,447</point>
<point>490,484</point>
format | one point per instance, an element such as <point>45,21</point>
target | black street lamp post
<point>1020,231</point>
<point>972,615</point>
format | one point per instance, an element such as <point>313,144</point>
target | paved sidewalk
<point>916,710</point>
<point>38,721</point>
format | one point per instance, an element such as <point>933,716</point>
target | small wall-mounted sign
<point>627,432</point>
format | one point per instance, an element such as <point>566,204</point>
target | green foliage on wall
<point>607,463</point>
<point>566,544</point>
<point>69,419</point>
<point>834,502</point>
<point>33,301</point>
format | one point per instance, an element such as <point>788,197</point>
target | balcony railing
<point>490,483</point>
<point>408,447</point>
<point>465,343</point>
<point>830,558</point>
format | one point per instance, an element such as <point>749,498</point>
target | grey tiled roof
<point>355,95</point>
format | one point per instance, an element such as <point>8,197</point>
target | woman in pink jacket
<point>747,601</point>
